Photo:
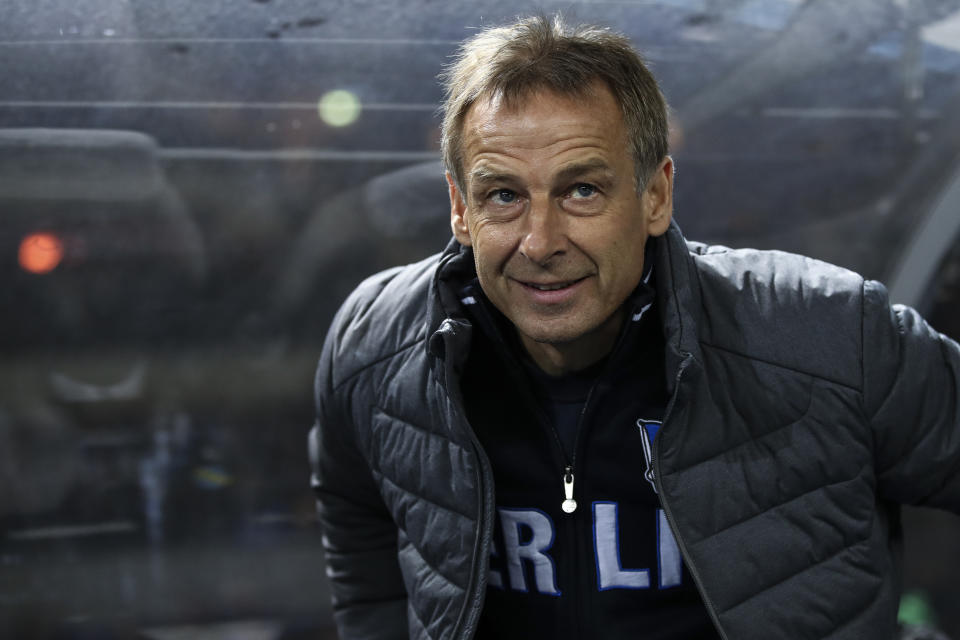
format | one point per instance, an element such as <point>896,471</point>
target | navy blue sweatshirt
<point>609,568</point>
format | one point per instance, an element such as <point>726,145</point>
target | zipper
<point>569,504</point>
<point>523,384</point>
<point>465,626</point>
<point>469,616</point>
<point>468,619</point>
<point>668,512</point>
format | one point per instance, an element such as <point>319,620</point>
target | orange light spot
<point>40,252</point>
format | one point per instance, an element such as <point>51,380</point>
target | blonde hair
<point>534,54</point>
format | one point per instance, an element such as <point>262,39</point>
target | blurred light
<point>212,477</point>
<point>40,252</point>
<point>915,609</point>
<point>339,108</point>
<point>945,33</point>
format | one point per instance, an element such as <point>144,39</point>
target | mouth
<point>547,288</point>
<point>552,286</point>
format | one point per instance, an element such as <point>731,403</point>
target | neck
<point>557,359</point>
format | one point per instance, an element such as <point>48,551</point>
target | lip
<point>550,296</point>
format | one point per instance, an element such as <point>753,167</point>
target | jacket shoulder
<point>783,308</point>
<point>383,316</point>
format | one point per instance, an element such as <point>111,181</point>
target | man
<point>573,423</point>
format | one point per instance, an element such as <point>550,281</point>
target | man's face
<point>552,213</point>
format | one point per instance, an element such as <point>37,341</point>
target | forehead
<point>543,125</point>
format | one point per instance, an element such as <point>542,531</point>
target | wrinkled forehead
<point>594,100</point>
<point>514,98</point>
<point>547,135</point>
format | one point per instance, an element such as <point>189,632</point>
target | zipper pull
<point>569,504</point>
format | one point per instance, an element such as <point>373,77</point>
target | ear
<point>458,210</point>
<point>658,198</point>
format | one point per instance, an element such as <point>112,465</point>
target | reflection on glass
<point>40,252</point>
<point>339,108</point>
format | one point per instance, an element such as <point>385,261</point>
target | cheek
<point>492,245</point>
<point>482,258</point>
<point>601,239</point>
<point>620,255</point>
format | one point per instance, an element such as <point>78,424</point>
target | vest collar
<point>678,299</point>
<point>677,290</point>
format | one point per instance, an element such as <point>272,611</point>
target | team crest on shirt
<point>648,430</point>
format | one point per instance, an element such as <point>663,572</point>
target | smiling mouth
<point>553,286</point>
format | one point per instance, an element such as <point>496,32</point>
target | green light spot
<point>339,108</point>
<point>915,609</point>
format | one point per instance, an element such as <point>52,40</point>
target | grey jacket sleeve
<point>911,386</point>
<point>359,536</point>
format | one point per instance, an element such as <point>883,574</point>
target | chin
<point>559,335</point>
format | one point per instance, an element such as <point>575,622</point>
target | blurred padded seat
<point>128,242</point>
<point>79,399</point>
<point>78,164</point>
<point>394,218</point>
<point>44,171</point>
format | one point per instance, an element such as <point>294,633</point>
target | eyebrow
<point>485,175</point>
<point>577,169</point>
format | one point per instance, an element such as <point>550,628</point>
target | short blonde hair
<point>541,53</point>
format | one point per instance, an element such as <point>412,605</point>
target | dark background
<point>155,385</point>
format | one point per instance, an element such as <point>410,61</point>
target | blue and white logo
<point>648,431</point>
<point>525,564</point>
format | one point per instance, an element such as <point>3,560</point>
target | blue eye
<point>584,190</point>
<point>503,196</point>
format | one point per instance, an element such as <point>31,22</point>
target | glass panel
<point>189,190</point>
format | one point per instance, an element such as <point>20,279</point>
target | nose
<point>543,233</point>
